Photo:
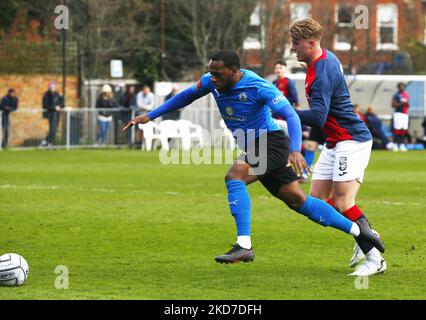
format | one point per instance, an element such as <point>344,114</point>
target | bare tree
<point>117,29</point>
<point>212,25</point>
<point>272,36</point>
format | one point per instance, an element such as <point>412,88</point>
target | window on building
<point>253,39</point>
<point>345,31</point>
<point>387,27</point>
<point>300,11</point>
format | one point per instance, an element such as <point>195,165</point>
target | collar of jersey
<point>239,83</point>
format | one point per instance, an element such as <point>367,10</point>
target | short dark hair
<point>230,58</point>
<point>401,84</point>
<point>281,62</point>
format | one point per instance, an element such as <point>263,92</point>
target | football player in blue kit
<point>244,100</point>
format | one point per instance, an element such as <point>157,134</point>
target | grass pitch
<point>128,227</point>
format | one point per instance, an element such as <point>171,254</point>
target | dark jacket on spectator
<point>51,100</point>
<point>373,121</point>
<point>9,104</point>
<point>130,101</point>
<point>110,103</point>
<point>174,115</point>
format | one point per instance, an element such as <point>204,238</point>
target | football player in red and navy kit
<point>285,85</point>
<point>339,171</point>
<point>400,103</point>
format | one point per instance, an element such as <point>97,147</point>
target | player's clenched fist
<point>138,120</point>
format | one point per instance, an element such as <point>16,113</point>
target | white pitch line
<point>396,203</point>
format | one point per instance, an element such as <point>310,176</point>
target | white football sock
<point>355,230</point>
<point>244,242</point>
<point>374,255</point>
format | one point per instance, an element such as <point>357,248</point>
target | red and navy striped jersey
<point>328,95</point>
<point>398,97</point>
<point>288,89</point>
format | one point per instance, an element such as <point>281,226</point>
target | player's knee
<point>236,173</point>
<point>319,195</point>
<point>232,175</point>
<point>295,200</point>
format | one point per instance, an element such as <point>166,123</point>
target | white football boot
<point>373,264</point>
<point>357,257</point>
<point>390,146</point>
<point>403,148</point>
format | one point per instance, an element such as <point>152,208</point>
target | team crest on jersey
<point>243,97</point>
<point>229,111</point>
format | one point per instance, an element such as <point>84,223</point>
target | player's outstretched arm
<point>138,120</point>
<point>179,101</point>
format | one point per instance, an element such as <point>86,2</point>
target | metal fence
<point>83,128</point>
<point>80,128</point>
<point>67,128</point>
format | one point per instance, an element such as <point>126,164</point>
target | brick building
<point>369,36</point>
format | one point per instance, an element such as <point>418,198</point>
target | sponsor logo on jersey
<point>231,118</point>
<point>229,111</point>
<point>278,99</point>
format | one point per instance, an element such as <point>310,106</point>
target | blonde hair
<point>306,29</point>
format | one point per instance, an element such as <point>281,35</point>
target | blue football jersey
<point>247,106</point>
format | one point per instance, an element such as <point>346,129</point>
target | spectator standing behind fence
<point>400,104</point>
<point>359,113</point>
<point>119,92</point>
<point>129,105</point>
<point>104,102</point>
<point>145,102</point>
<point>52,104</point>
<point>375,126</point>
<point>174,115</point>
<point>8,104</point>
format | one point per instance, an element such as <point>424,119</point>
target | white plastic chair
<point>228,134</point>
<point>194,131</point>
<point>150,133</point>
<point>169,129</point>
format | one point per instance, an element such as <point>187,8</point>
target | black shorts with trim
<point>317,135</point>
<point>270,160</point>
